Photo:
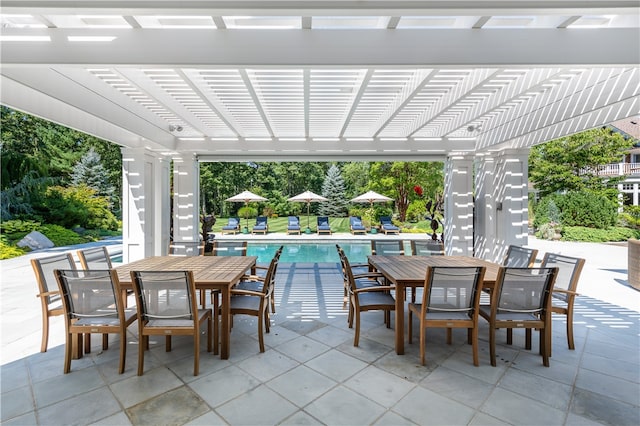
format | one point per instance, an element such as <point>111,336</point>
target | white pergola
<point>474,83</point>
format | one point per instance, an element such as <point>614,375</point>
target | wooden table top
<point>411,270</point>
<point>207,270</point>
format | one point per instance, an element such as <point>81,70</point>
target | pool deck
<point>312,374</point>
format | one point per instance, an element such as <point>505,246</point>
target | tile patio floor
<point>312,374</point>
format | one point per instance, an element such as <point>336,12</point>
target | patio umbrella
<point>371,197</point>
<point>246,197</point>
<point>307,197</point>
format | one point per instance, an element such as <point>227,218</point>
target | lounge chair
<point>323,225</point>
<point>232,226</point>
<point>261,225</point>
<point>387,226</point>
<point>293,225</point>
<point>356,226</point>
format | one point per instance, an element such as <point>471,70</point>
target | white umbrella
<point>307,197</point>
<point>246,197</point>
<point>371,197</point>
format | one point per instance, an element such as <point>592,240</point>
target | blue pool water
<point>357,252</point>
<point>309,252</point>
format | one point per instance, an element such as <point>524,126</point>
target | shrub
<point>77,206</point>
<point>8,251</point>
<point>576,209</point>
<point>61,236</point>
<point>18,226</point>
<point>581,233</point>
<point>630,216</point>
<point>247,212</point>
<point>416,211</point>
<point>549,231</point>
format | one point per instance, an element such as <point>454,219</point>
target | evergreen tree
<point>89,171</point>
<point>333,190</point>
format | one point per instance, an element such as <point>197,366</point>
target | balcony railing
<point>618,169</point>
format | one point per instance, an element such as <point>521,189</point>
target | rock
<point>35,241</point>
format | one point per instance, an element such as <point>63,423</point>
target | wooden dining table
<point>209,273</point>
<point>410,272</point>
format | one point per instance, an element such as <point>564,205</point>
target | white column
<point>484,226</point>
<point>145,203</point>
<point>458,206</point>
<point>512,196</point>
<point>186,196</point>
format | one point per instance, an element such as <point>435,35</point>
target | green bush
<point>18,226</point>
<point>580,233</point>
<point>586,209</point>
<point>630,216</point>
<point>8,251</point>
<point>76,206</point>
<point>61,236</point>
<point>549,231</point>
<point>247,212</point>
<point>416,211</point>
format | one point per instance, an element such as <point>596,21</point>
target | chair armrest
<point>247,277</point>
<point>368,275</point>
<point>376,288</point>
<point>247,292</point>
<point>566,292</point>
<point>48,293</point>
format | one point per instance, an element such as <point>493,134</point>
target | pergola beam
<point>346,48</point>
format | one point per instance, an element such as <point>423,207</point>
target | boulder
<point>35,241</point>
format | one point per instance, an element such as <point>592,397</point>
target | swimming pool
<point>357,252</point>
<point>309,252</point>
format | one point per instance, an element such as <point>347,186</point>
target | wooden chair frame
<point>199,316</point>
<point>48,290</point>
<point>439,318</point>
<point>76,324</point>
<point>541,322</point>
<point>565,287</point>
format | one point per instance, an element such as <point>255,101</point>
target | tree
<point>356,178</point>
<point>89,171</point>
<point>571,163</point>
<point>333,191</point>
<point>397,180</point>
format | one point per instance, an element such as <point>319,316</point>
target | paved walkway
<point>312,374</point>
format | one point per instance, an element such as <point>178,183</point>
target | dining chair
<point>368,297</point>
<point>564,289</point>
<point>92,304</point>
<point>387,247</point>
<point>99,258</point>
<point>361,272</point>
<point>229,248</point>
<point>427,248</point>
<point>186,248</point>
<point>167,306</point>
<point>520,257</point>
<point>48,292</point>
<point>95,258</point>
<point>521,298</point>
<point>253,300</point>
<point>254,281</point>
<point>450,299</point>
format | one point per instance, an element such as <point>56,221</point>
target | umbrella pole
<point>246,217</point>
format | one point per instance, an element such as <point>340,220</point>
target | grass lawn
<point>338,224</point>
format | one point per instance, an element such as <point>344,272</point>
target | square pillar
<point>485,224</point>
<point>458,206</point>
<point>145,203</point>
<point>502,203</point>
<point>186,196</point>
